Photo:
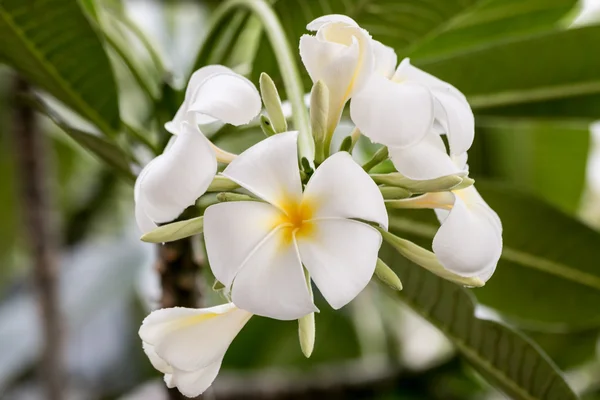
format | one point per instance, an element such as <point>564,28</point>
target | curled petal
<point>452,110</point>
<point>385,59</point>
<point>232,231</point>
<point>157,362</point>
<point>340,188</point>
<point>230,98</point>
<point>317,23</point>
<point>174,180</point>
<point>271,282</point>
<point>189,339</point>
<point>269,169</point>
<point>425,160</point>
<point>195,82</point>
<point>194,383</point>
<point>340,255</point>
<point>393,114</point>
<point>340,55</point>
<point>469,242</point>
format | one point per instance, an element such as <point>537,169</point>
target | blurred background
<point>374,348</point>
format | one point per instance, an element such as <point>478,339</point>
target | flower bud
<point>319,111</point>
<point>174,231</point>
<point>222,184</point>
<point>266,126</point>
<point>387,276</point>
<point>272,103</point>
<point>419,186</point>
<point>394,193</point>
<point>306,334</point>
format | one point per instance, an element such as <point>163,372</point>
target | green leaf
<point>547,159</point>
<point>439,26</point>
<point>509,360</point>
<point>547,275</point>
<point>558,68</point>
<point>102,148</point>
<point>52,43</point>
<point>175,231</point>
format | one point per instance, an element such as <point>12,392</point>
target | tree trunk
<point>32,166</point>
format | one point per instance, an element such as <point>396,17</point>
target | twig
<point>32,166</point>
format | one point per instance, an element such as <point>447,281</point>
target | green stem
<point>285,59</point>
<point>380,156</point>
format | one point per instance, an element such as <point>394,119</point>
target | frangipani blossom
<point>175,179</point>
<point>407,111</point>
<point>469,240</point>
<point>341,56</point>
<point>258,248</point>
<point>188,344</point>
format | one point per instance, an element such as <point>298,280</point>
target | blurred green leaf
<point>558,66</point>
<point>548,272</point>
<point>568,349</point>
<point>508,359</point>
<point>547,159</point>
<point>439,26</point>
<point>52,43</point>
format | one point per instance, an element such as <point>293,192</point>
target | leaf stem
<point>285,59</point>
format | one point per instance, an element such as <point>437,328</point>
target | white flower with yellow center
<point>469,240</point>
<point>258,249</point>
<point>339,55</point>
<point>166,187</point>
<point>407,111</point>
<point>188,344</point>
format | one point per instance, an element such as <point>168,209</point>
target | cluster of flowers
<point>325,225</point>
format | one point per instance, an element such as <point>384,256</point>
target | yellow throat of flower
<point>296,219</point>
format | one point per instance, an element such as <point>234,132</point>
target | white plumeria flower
<point>258,248</point>
<point>340,56</point>
<point>407,111</point>
<point>469,240</point>
<point>175,179</point>
<point>188,344</point>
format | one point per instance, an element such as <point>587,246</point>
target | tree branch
<point>32,166</point>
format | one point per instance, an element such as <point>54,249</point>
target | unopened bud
<point>230,196</point>
<point>319,112</point>
<point>174,231</point>
<point>266,126</point>
<point>385,274</point>
<point>418,186</point>
<point>272,103</point>
<point>394,193</point>
<point>346,144</point>
<point>222,184</point>
<point>306,334</point>
<point>466,182</point>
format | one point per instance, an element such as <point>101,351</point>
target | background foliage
<point>111,73</point>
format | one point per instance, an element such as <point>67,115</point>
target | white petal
<point>425,160</point>
<point>454,113</point>
<point>341,188</point>
<point>232,231</point>
<point>157,362</point>
<point>230,98</point>
<point>340,255</point>
<point>269,169</point>
<point>271,283</point>
<point>469,242</point>
<point>189,339</point>
<point>340,56</point>
<point>394,114</point>
<point>325,19</point>
<point>174,180</point>
<point>194,383</point>
<point>407,72</point>
<point>385,59</point>
<point>452,108</point>
<point>197,78</point>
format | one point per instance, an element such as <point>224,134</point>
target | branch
<point>32,166</point>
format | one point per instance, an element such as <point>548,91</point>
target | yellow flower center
<point>296,219</point>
